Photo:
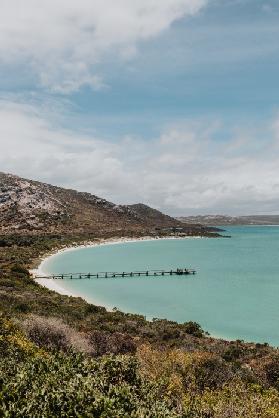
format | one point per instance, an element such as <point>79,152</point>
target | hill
<point>28,206</point>
<point>31,206</point>
<point>217,220</point>
<point>154,216</point>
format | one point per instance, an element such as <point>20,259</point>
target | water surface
<point>234,294</point>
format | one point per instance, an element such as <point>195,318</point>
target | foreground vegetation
<point>60,356</point>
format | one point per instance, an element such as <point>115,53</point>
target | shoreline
<point>52,284</point>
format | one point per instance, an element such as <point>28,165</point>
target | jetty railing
<point>113,274</point>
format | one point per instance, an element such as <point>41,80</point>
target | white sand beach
<point>51,284</point>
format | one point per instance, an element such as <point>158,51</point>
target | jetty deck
<point>113,274</point>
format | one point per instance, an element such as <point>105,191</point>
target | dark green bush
<point>193,328</point>
<point>20,270</point>
<point>22,307</point>
<point>116,343</point>
<point>38,384</point>
<point>233,353</point>
<point>272,372</point>
<point>212,373</point>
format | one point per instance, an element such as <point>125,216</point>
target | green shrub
<point>154,384</point>
<point>233,353</point>
<point>38,384</point>
<point>20,270</point>
<point>193,328</point>
<point>22,307</point>
<point>272,372</point>
<point>116,343</point>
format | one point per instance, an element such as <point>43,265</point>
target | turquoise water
<point>234,294</point>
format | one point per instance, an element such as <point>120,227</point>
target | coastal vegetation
<point>61,356</point>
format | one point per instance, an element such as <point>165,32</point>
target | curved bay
<point>234,294</point>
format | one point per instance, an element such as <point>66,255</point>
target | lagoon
<point>234,294</point>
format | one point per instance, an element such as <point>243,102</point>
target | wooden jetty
<point>113,274</point>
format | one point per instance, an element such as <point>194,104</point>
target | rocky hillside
<point>28,206</point>
<point>154,216</point>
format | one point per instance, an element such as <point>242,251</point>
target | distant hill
<point>28,206</point>
<point>222,220</point>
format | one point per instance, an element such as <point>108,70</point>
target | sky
<point>173,103</point>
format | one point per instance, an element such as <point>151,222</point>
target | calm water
<point>234,295</point>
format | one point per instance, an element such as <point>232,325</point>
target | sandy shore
<point>53,284</point>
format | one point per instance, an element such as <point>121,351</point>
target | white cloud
<point>63,40</point>
<point>185,170</point>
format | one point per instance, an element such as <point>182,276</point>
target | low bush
<point>54,334</point>
<point>193,328</point>
<point>272,372</point>
<point>116,343</point>
<point>201,385</point>
<point>22,307</point>
<point>233,352</point>
<point>20,270</point>
<point>210,371</point>
<point>39,383</point>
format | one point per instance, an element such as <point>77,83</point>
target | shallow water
<point>234,294</point>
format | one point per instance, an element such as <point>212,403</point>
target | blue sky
<point>171,102</point>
